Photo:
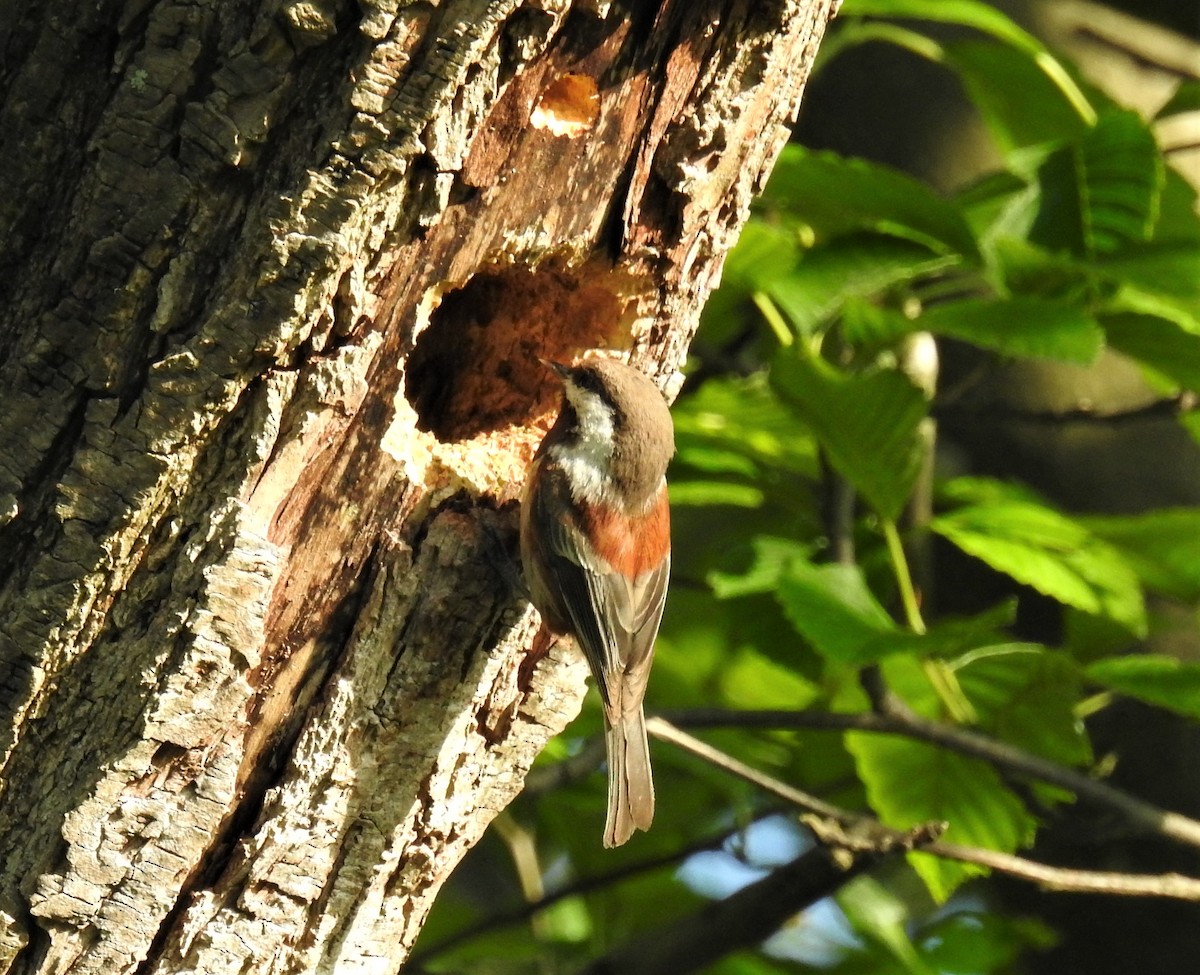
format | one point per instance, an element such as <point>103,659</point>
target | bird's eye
<point>585,379</point>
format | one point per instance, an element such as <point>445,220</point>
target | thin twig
<point>665,731</point>
<point>585,885</point>
<point>1170,885</point>
<point>1144,816</point>
<point>1067,880</point>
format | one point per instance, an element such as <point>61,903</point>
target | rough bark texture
<point>274,275</point>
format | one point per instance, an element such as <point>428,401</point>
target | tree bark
<point>275,275</point>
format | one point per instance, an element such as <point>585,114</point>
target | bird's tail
<point>630,783</point>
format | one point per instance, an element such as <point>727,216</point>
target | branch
<point>897,719</point>
<point>1066,880</point>
<point>867,835</point>
<point>741,920</point>
<point>585,885</point>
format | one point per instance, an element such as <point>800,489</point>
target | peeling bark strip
<point>275,276</point>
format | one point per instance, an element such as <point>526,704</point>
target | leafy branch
<point>1142,816</point>
<point>865,834</point>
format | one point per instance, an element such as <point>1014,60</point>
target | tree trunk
<point>275,277</point>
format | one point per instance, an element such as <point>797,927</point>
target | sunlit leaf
<point>1162,547</point>
<point>1029,327</point>
<point>1159,344</point>
<point>837,196</point>
<point>867,423</point>
<point>943,638</point>
<point>739,426</point>
<point>1025,694</point>
<point>909,782</point>
<point>992,72</point>
<point>832,608</point>
<point>772,557</point>
<point>964,13</point>
<point>845,268</point>
<point>1052,553</point>
<point>1157,679</point>
<point>1101,192</point>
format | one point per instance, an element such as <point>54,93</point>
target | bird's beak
<point>561,371</point>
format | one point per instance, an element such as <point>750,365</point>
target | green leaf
<point>698,493</point>
<point>944,638</point>
<point>837,196</point>
<point>740,426</point>
<point>909,782</point>
<point>867,423</point>
<point>982,17</point>
<point>970,940</point>
<point>772,557</point>
<point>1057,556</point>
<point>985,490</point>
<point>964,13</point>
<point>1159,344</point>
<point>1178,218</point>
<point>1027,327</point>
<point>1169,268</point>
<point>1025,694</point>
<point>859,266</point>
<point>763,252</point>
<point>1101,192</point>
<point>1161,680</point>
<point>883,916</point>
<point>992,73</point>
<point>1162,547</point>
<point>749,679</point>
<point>832,608</point>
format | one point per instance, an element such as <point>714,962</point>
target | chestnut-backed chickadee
<point>596,549</point>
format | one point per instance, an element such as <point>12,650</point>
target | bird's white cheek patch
<point>588,460</point>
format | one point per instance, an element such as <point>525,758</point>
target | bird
<point>595,536</point>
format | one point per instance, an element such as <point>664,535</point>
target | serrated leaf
<point>867,423</point>
<point>944,638</point>
<point>982,17</point>
<point>1159,344</point>
<point>909,782</point>
<point>1026,327</point>
<point>1162,547</point>
<point>837,196</point>
<point>1170,268</point>
<point>832,608</point>
<point>964,13</point>
<point>861,266</point>
<point>1025,694</point>
<point>883,916</point>
<point>763,252</point>
<point>1101,192</point>
<point>1057,556</point>
<point>772,557</point>
<point>741,418</point>
<point>991,74</point>
<point>1157,679</point>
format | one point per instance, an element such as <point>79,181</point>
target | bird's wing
<point>614,618</point>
